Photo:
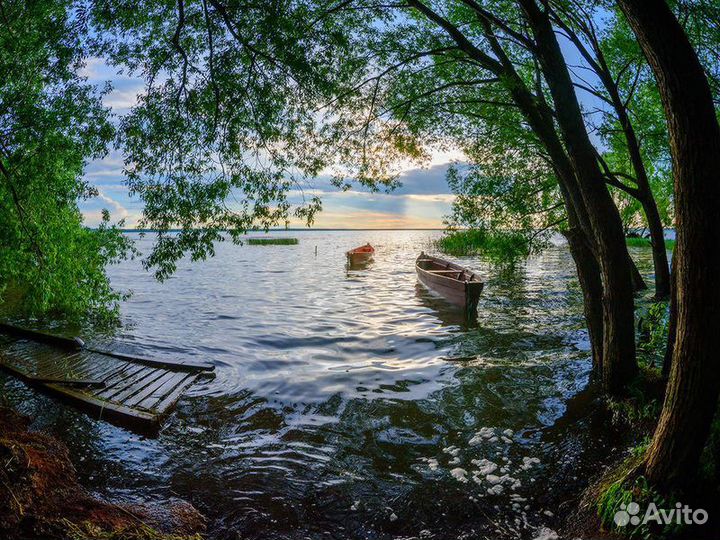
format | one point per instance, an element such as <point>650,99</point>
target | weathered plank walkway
<point>137,393</point>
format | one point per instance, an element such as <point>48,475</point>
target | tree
<point>51,123</point>
<point>577,24</point>
<point>694,384</point>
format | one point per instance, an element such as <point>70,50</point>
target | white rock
<point>508,433</point>
<point>493,479</point>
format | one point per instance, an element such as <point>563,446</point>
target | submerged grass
<point>272,241</point>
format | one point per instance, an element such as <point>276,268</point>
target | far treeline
<point>589,118</point>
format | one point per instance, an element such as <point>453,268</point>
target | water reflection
<point>341,394</point>
<point>449,314</point>
<point>355,264</point>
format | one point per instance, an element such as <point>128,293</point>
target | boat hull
<point>454,283</point>
<point>361,254</point>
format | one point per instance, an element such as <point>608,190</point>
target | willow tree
<point>694,385</point>
<point>51,123</point>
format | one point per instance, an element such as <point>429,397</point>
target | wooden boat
<point>361,254</point>
<point>458,285</point>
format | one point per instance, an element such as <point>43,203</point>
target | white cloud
<point>448,198</point>
<point>122,99</point>
<point>117,210</point>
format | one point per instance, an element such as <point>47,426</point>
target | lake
<point>352,403</point>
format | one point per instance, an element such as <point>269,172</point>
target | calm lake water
<point>352,403</point>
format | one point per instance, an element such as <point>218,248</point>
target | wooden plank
<point>165,389</point>
<point>169,401</point>
<point>61,366</point>
<point>151,388</point>
<point>130,391</point>
<point>116,379</point>
<point>127,387</point>
<point>99,365</point>
<point>138,385</point>
<point>33,378</point>
<point>105,410</point>
<point>58,361</point>
<point>71,382</point>
<point>188,366</point>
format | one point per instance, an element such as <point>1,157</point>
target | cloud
<point>371,220</point>
<point>448,198</point>
<point>117,209</point>
<point>123,99</point>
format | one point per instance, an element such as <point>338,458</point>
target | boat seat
<point>444,271</point>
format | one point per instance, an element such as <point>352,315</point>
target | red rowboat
<point>457,284</point>
<point>360,254</point>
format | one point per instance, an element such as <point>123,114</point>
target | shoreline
<point>43,497</point>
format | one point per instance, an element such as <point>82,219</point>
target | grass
<point>88,531</point>
<point>645,242</point>
<point>272,241</point>
<point>619,494</point>
<point>461,243</point>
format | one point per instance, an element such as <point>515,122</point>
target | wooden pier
<point>137,393</point>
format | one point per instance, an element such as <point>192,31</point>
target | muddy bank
<point>41,497</point>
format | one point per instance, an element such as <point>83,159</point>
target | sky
<point>421,202</point>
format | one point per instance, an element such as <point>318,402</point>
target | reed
<point>272,241</point>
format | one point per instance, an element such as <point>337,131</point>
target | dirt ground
<point>40,496</point>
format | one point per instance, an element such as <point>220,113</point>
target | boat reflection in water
<point>358,264</point>
<point>446,311</point>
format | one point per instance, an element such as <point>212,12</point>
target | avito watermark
<point>682,514</point>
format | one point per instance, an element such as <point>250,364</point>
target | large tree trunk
<point>694,384</point>
<point>619,362</point>
<point>638,283</point>
<point>672,323</point>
